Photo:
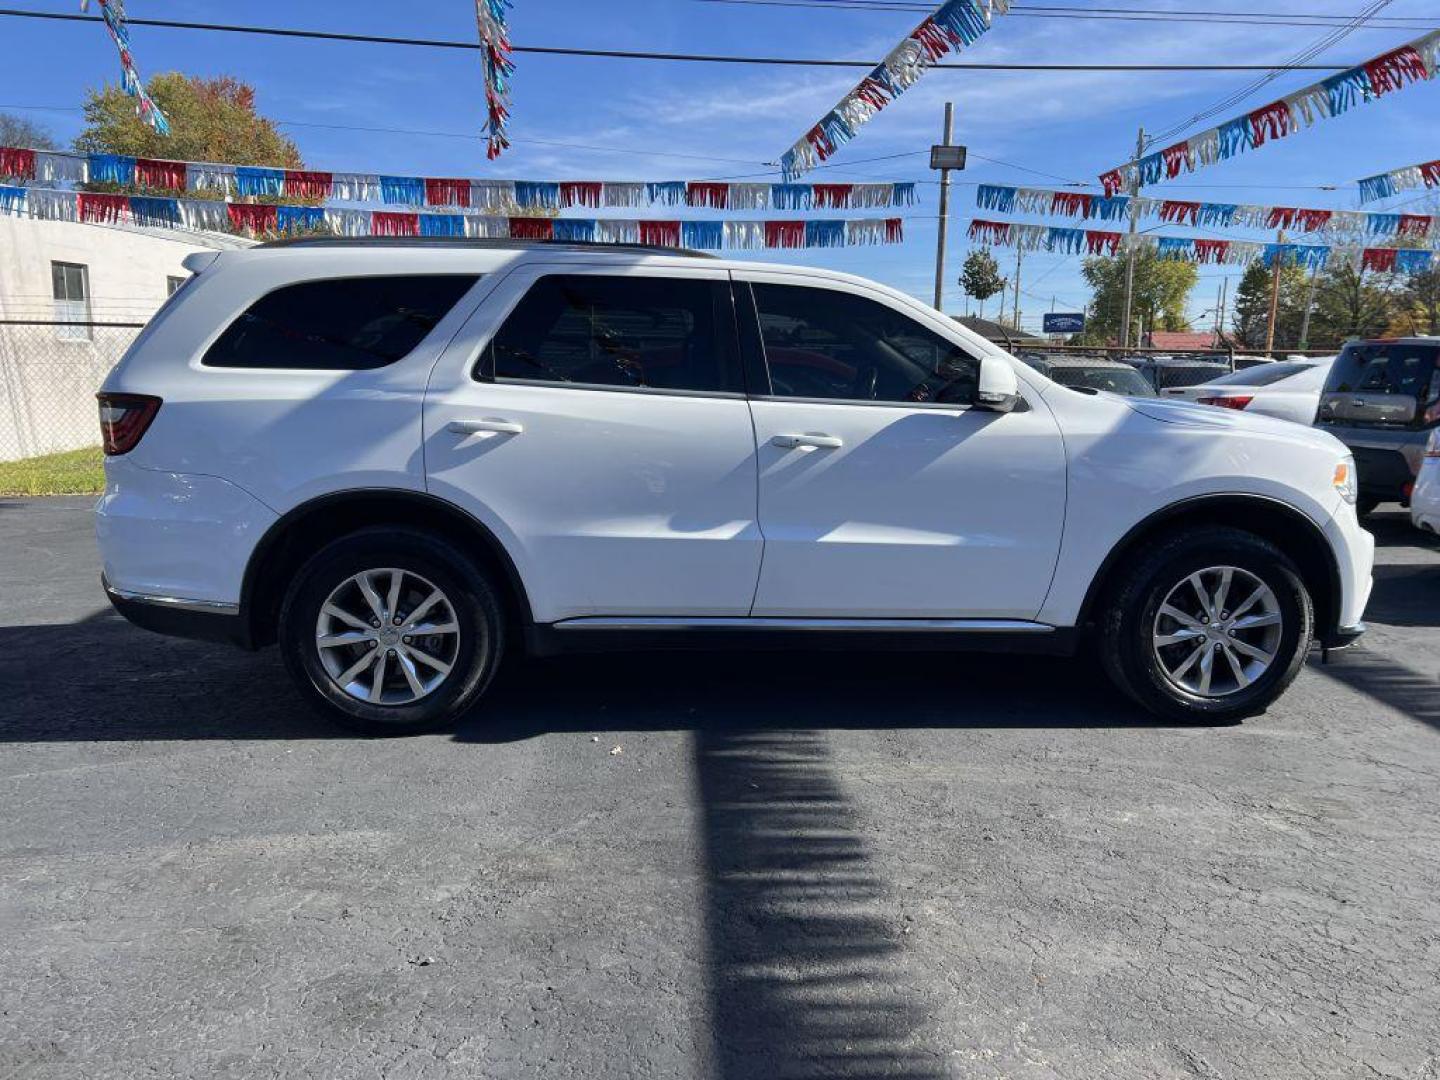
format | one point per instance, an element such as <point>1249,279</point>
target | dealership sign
<point>1058,323</point>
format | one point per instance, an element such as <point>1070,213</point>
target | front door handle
<point>475,427</point>
<point>792,442</point>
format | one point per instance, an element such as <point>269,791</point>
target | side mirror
<point>999,388</point>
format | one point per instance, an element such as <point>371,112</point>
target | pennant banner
<point>1195,249</point>
<point>1375,78</point>
<point>498,67</point>
<point>22,165</point>
<point>1382,186</point>
<point>1340,225</point>
<point>268,220</point>
<point>113,12</point>
<point>953,25</point>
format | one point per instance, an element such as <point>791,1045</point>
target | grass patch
<point>76,472</point>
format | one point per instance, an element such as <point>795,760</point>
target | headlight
<point>1345,480</point>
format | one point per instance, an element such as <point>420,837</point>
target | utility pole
<point>1309,307</point>
<point>944,213</point>
<point>1130,243</point>
<point>1276,265</point>
<point>1018,253</point>
<point>1220,310</point>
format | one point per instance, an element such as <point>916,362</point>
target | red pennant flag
<point>20,164</point>
<point>1281,217</point>
<point>532,228</point>
<point>1272,122</point>
<point>1381,260</point>
<point>94,206</point>
<point>1390,71</point>
<point>164,175</point>
<point>1415,226</point>
<point>707,194</point>
<point>1211,251</point>
<point>1177,213</point>
<point>390,223</point>
<point>834,196</point>
<point>254,218</point>
<point>447,192</point>
<point>578,193</point>
<point>1099,242</point>
<point>308,185</point>
<point>660,233</point>
<point>784,234</point>
<point>1176,158</point>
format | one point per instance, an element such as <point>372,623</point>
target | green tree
<point>1351,303</point>
<point>1160,294</point>
<point>1252,306</point>
<point>17,131</point>
<point>1418,305</point>
<point>980,276</point>
<point>210,120</point>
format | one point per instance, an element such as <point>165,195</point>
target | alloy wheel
<point>387,636</point>
<point>1218,631</point>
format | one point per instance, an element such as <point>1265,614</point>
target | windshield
<point>1403,368</point>
<point>1126,381</point>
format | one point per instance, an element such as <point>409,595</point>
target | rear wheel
<point>391,631</point>
<point>1213,625</point>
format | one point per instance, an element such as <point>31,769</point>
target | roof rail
<point>479,242</point>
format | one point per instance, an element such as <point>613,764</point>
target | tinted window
<point>1125,381</point>
<point>659,333</point>
<point>820,343</point>
<point>1387,368</point>
<point>346,324</point>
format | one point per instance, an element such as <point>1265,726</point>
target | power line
<point>1236,18</point>
<point>621,54</point>
<point>1305,55</point>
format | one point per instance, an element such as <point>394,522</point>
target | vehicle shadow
<point>102,679</point>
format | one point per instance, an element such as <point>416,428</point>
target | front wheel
<point>1211,626</point>
<point>391,631</point>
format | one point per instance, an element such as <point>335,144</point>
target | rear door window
<point>341,324</point>
<point>601,331</point>
<point>1384,368</point>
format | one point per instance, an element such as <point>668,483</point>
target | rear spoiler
<point>198,261</point>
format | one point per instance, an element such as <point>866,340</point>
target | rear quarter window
<point>341,324</point>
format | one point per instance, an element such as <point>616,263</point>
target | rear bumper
<point>199,620</point>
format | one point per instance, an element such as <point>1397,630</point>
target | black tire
<point>472,597</point>
<point>1128,622</point>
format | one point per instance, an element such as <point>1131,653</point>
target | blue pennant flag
<point>111,169</point>
<point>701,235</point>
<point>575,230</point>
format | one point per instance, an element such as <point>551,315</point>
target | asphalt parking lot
<point>714,866</point>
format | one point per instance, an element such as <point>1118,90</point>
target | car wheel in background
<point>1210,626</point>
<point>391,631</point>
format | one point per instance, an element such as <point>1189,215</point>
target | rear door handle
<point>792,442</point>
<point>474,427</point>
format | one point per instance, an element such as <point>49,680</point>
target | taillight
<point>124,419</point>
<point>1227,402</point>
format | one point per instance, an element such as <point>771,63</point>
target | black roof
<point>478,242</point>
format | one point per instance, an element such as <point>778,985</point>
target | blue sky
<point>645,120</point>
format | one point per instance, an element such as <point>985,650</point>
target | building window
<point>71,283</point>
<point>172,284</point>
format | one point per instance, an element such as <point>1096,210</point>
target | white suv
<point>404,459</point>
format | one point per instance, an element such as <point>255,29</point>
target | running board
<point>766,622</point>
<point>599,633</point>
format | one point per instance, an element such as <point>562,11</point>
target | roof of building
<point>1182,339</point>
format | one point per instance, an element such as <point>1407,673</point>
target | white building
<point>54,272</point>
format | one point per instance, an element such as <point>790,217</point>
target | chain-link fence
<point>49,372</point>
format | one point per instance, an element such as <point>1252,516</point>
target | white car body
<point>1295,397</point>
<point>666,509</point>
<point>1425,500</point>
